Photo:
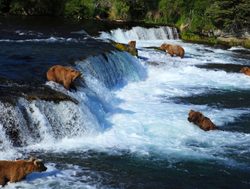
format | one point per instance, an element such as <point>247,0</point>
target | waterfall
<point>25,122</point>
<point>141,33</point>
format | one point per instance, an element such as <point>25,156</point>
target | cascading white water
<point>6,149</point>
<point>141,33</point>
<point>142,118</point>
<point>111,69</point>
<point>41,122</point>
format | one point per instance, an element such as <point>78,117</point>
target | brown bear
<point>14,171</point>
<point>173,49</point>
<point>132,44</point>
<point>63,75</point>
<point>245,70</point>
<point>199,119</point>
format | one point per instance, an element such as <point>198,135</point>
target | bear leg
<point>66,84</point>
<point>3,181</point>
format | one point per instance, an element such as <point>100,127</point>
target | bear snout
<point>45,168</point>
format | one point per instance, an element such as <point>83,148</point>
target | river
<point>126,124</point>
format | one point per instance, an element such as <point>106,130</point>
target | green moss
<point>80,8</point>
<point>124,47</point>
<point>119,10</point>
<point>120,46</point>
<point>190,37</point>
<point>228,42</point>
<point>247,44</point>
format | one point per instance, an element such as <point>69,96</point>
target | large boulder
<point>130,47</point>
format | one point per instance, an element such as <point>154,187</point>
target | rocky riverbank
<point>226,40</point>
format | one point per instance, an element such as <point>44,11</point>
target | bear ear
<point>32,158</point>
<point>37,161</point>
<point>200,115</point>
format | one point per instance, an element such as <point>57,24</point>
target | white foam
<point>6,149</point>
<point>141,33</point>
<point>144,125</point>
<point>238,48</point>
<point>141,117</point>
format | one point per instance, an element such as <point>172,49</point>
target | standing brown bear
<point>199,119</point>
<point>245,70</point>
<point>63,75</point>
<point>173,49</point>
<point>14,171</point>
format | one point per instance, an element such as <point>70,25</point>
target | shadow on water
<point>218,98</point>
<point>234,68</point>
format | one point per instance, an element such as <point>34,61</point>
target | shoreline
<point>186,36</point>
<point>226,42</point>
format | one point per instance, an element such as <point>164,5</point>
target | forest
<point>194,17</point>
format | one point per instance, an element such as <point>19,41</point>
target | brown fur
<point>63,75</point>
<point>14,171</point>
<point>132,44</point>
<point>199,119</point>
<point>173,49</point>
<point>245,70</point>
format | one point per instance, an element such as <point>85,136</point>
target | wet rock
<point>124,47</point>
<point>13,123</point>
<point>155,63</point>
<point>231,68</point>
<point>11,93</point>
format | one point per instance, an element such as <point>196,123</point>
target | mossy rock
<point>124,47</point>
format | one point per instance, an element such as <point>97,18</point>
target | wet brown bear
<point>245,70</point>
<point>173,49</point>
<point>199,119</point>
<point>132,44</point>
<point>63,75</point>
<point>14,171</point>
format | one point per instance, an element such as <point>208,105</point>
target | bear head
<point>73,73</point>
<point>165,46</point>
<point>132,44</point>
<point>194,116</point>
<point>36,165</point>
